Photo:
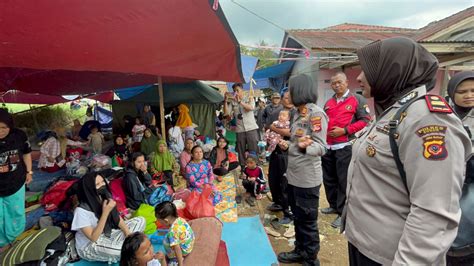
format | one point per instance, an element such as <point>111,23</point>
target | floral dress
<point>200,174</point>
<point>181,234</point>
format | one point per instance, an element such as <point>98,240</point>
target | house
<point>333,49</point>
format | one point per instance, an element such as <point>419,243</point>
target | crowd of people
<point>395,182</point>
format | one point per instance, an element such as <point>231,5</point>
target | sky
<point>315,14</point>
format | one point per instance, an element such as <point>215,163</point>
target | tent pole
<point>35,121</point>
<point>162,108</point>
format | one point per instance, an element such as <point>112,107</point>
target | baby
<point>274,138</point>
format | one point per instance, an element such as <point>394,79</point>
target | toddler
<point>253,180</point>
<point>96,140</point>
<point>138,130</point>
<point>274,138</point>
<point>138,250</point>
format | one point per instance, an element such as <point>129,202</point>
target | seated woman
<point>100,231</point>
<point>119,149</point>
<point>199,173</point>
<point>53,151</point>
<point>163,162</point>
<point>148,144</point>
<point>185,156</point>
<point>219,158</point>
<point>137,183</point>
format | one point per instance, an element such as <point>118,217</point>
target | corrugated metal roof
<point>437,26</point>
<point>341,39</point>
<point>363,27</point>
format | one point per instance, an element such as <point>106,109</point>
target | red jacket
<point>351,114</point>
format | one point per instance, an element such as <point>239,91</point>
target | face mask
<point>153,262</point>
<point>104,193</point>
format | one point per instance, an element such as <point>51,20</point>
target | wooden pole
<point>162,108</point>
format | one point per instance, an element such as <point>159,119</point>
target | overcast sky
<point>314,14</point>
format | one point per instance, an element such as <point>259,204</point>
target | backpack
<point>464,243</point>
<point>56,194</point>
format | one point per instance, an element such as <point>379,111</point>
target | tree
<point>262,54</point>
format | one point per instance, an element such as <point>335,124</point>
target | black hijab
<point>88,196</point>
<point>453,85</point>
<point>394,67</point>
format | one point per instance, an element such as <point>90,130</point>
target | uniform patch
<point>370,150</point>
<point>316,123</point>
<point>434,147</point>
<point>348,107</point>
<point>299,132</point>
<point>366,108</point>
<point>436,104</point>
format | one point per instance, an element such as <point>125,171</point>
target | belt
<point>339,146</point>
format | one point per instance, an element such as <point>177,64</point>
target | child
<point>179,241</point>
<point>138,130</point>
<point>138,250</point>
<point>120,149</point>
<point>253,180</point>
<point>96,140</point>
<point>274,138</point>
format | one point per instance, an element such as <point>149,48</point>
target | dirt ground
<point>333,244</point>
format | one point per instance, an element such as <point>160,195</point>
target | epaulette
<point>436,104</point>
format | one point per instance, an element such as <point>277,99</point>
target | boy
<point>253,180</point>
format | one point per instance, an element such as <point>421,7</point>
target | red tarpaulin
<point>31,98</point>
<point>82,46</point>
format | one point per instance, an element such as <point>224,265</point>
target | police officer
<point>387,220</point>
<point>304,173</point>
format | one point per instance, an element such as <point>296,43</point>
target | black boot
<point>290,257</point>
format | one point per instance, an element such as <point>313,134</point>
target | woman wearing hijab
<point>15,172</point>
<point>306,146</point>
<point>148,144</point>
<point>163,162</point>
<point>461,93</point>
<point>387,220</point>
<point>100,231</point>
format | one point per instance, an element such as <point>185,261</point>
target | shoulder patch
<point>436,104</point>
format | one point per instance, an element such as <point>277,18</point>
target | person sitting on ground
<point>199,174</point>
<point>75,130</point>
<point>175,139</point>
<point>95,140</point>
<point>148,144</point>
<point>53,151</point>
<point>274,138</point>
<point>253,180</point>
<point>119,149</point>
<point>219,159</point>
<point>163,162</point>
<point>137,250</point>
<point>137,183</point>
<point>100,231</point>
<point>179,241</point>
<point>185,156</point>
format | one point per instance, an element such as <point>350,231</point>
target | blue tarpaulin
<point>273,77</point>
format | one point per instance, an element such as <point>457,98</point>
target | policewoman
<point>304,173</point>
<point>404,213</point>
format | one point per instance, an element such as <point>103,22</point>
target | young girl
<point>179,241</point>
<point>119,149</point>
<point>96,140</point>
<point>253,180</point>
<point>138,130</point>
<point>219,159</point>
<point>138,250</point>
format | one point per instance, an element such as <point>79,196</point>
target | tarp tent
<point>201,99</point>
<point>273,77</point>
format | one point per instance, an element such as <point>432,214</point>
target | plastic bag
<point>200,204</point>
<point>148,212</point>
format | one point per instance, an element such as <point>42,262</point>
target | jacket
<point>136,191</point>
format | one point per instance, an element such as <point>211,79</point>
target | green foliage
<point>262,54</point>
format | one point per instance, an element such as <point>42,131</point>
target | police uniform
<point>384,221</point>
<point>304,174</point>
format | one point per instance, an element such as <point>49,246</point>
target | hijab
<point>184,119</point>
<point>148,145</point>
<point>453,85</point>
<point>163,161</point>
<point>88,195</point>
<point>394,67</point>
